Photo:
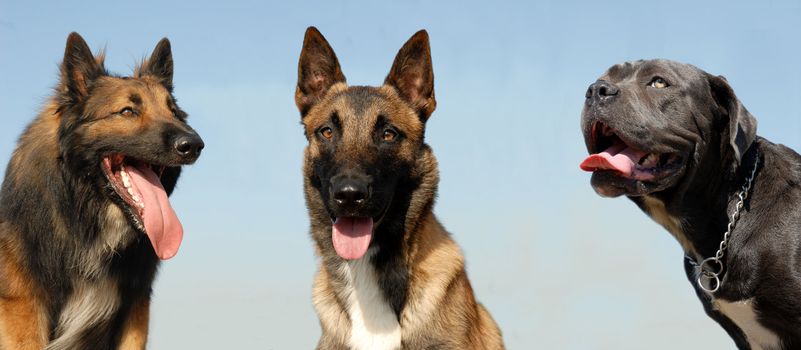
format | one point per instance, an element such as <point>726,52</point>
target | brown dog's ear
<point>741,128</point>
<point>79,69</point>
<point>413,75</point>
<point>318,69</point>
<point>159,64</point>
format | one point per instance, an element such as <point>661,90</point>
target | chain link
<point>708,273</point>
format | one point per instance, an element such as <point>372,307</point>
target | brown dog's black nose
<point>189,145</point>
<point>350,192</point>
<point>601,90</point>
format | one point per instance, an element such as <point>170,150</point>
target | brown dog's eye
<point>390,135</point>
<point>127,112</point>
<point>658,83</point>
<point>327,132</point>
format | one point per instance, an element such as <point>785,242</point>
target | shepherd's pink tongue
<point>161,223</point>
<point>618,157</point>
<point>351,237</point>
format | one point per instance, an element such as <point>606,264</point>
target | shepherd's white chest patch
<point>743,314</point>
<point>374,325</point>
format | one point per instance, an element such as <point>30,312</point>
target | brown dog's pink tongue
<point>351,237</point>
<point>618,157</point>
<point>161,223</point>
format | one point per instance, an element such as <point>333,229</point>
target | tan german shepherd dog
<point>390,277</point>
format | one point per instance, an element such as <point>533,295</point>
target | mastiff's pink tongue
<point>161,223</point>
<point>351,237</point>
<point>619,157</point>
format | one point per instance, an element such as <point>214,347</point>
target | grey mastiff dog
<point>678,143</point>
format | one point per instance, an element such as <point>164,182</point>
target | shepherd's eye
<point>327,132</point>
<point>658,82</point>
<point>390,135</point>
<point>127,112</point>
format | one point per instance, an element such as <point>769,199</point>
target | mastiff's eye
<point>658,83</point>
<point>390,135</point>
<point>127,112</point>
<point>327,132</point>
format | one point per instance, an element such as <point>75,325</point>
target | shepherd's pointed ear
<point>159,64</point>
<point>413,75</point>
<point>318,70</point>
<point>741,125</point>
<point>80,68</point>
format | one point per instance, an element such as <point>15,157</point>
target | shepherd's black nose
<point>189,145</point>
<point>601,90</point>
<point>350,192</point>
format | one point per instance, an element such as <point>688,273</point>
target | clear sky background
<point>557,266</point>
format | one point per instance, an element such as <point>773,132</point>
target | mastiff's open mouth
<point>619,166</point>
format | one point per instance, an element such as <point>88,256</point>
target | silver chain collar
<point>708,273</point>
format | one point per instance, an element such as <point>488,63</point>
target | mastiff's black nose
<point>601,90</point>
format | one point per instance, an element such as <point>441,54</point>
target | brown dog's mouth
<point>351,235</point>
<point>611,153</point>
<point>138,185</point>
<point>116,168</point>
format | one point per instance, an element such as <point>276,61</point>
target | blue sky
<point>557,266</point>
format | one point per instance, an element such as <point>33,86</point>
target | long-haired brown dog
<point>84,214</point>
<point>391,277</point>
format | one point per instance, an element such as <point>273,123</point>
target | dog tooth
<point>650,160</point>
<point>126,181</point>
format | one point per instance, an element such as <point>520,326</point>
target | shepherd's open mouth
<point>140,188</point>
<point>351,236</point>
<point>612,153</point>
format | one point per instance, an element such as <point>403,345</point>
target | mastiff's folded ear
<point>741,129</point>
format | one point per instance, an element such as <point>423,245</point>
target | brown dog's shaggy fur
<point>76,266</point>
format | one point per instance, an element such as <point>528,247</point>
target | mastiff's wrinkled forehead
<point>648,124</point>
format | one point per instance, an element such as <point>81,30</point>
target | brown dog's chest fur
<point>93,304</point>
<point>440,309</point>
